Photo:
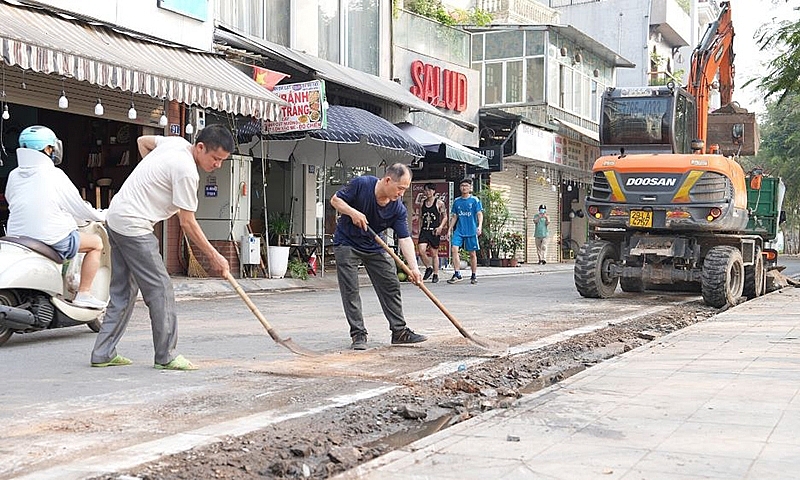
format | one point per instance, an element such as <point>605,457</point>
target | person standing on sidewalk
<point>466,222</point>
<point>377,203</point>
<point>162,184</point>
<point>434,220</point>
<point>541,221</point>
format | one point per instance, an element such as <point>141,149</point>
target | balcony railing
<point>519,11</point>
<point>429,37</point>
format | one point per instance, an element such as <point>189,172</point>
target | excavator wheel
<point>723,276</point>
<point>591,272</point>
<point>755,277</point>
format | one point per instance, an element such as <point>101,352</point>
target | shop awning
<point>581,130</point>
<point>333,72</point>
<point>444,148</point>
<point>49,43</point>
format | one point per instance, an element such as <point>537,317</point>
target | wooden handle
<point>421,285</point>
<point>247,301</point>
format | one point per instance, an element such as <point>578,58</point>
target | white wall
<point>145,17</point>
<point>621,25</point>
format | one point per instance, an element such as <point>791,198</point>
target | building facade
<point>113,72</point>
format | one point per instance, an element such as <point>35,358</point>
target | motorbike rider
<point>44,204</point>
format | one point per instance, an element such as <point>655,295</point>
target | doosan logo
<point>651,182</point>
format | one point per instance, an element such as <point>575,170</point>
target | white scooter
<point>36,287</point>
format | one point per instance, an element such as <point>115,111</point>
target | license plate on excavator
<point>641,219</point>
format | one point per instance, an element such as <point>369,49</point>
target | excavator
<point>667,212</point>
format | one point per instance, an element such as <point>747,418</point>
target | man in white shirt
<point>44,204</point>
<point>163,184</point>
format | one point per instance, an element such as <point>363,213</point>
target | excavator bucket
<point>732,127</point>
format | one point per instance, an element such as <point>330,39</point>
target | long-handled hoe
<point>286,342</point>
<point>481,342</point>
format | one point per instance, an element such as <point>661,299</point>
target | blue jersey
<point>467,210</point>
<point>359,193</point>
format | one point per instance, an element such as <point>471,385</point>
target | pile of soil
<point>336,440</point>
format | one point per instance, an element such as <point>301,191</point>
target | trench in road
<point>330,365</point>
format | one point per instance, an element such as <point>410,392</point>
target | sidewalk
<point>203,287</point>
<point>719,400</point>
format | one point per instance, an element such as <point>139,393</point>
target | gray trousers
<point>383,275</point>
<point>137,264</point>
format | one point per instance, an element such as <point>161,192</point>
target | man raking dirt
<point>378,203</point>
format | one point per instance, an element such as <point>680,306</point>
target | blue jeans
<point>383,275</point>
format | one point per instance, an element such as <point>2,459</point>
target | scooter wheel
<point>94,325</point>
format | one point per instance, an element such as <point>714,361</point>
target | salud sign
<point>305,110</point>
<point>441,88</point>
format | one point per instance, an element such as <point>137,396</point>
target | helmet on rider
<point>39,138</point>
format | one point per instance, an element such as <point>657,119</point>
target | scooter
<point>36,286</point>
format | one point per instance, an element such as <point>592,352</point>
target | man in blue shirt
<point>466,220</point>
<point>367,200</point>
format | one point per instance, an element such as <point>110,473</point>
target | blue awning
<point>442,148</point>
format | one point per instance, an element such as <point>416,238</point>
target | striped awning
<point>49,43</point>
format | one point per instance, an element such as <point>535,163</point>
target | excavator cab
<point>647,120</point>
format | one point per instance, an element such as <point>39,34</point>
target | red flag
<point>267,78</point>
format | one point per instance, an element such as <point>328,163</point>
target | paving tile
<point>451,466</point>
<point>786,432</point>
<point>570,461</point>
<point>687,465</point>
<point>739,413</point>
<point>716,439</point>
<point>772,470</point>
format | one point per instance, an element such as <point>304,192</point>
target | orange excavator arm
<point>713,57</point>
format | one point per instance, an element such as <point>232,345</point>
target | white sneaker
<point>88,301</point>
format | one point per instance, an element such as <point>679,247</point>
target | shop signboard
<point>305,109</point>
<point>535,143</point>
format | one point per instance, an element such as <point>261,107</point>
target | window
<point>328,30</point>
<point>493,83</point>
<point>566,92</point>
<point>277,21</point>
<point>534,43</point>
<point>269,20</point>
<point>513,82</point>
<point>477,47</point>
<point>504,45</point>
<point>348,33</point>
<point>534,92</point>
<point>362,37</point>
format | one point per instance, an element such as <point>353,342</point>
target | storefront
<point>99,89</point>
<point>302,189</point>
<point>540,167</point>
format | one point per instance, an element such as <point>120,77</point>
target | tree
<point>783,76</point>
<point>495,217</point>
<point>780,149</point>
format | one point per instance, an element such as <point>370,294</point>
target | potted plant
<point>495,217</point>
<point>279,226</point>
<point>512,242</point>
<point>278,254</point>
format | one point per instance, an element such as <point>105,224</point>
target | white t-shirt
<point>42,201</point>
<point>162,183</point>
